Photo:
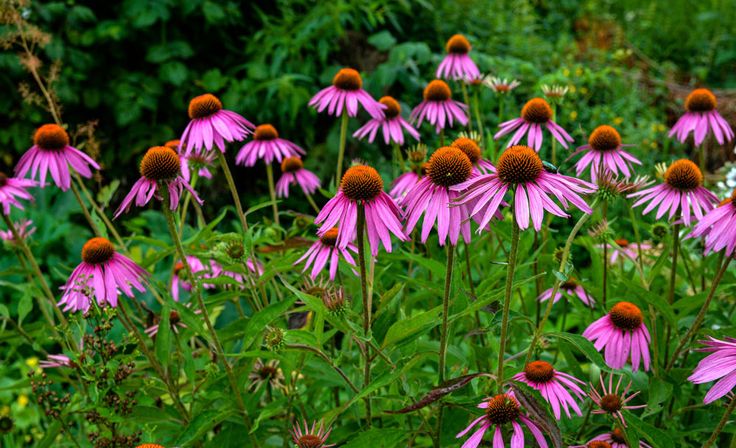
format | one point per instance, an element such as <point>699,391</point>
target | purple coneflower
<point>211,124</point>
<point>604,152</point>
<point>199,162</point>
<point>362,185</point>
<point>392,124</point>
<point>102,274</point>
<point>325,250</point>
<point>346,92</point>
<point>457,64</point>
<point>160,168</point>
<point>51,153</point>
<point>197,267</point>
<point>613,439</point>
<point>439,108</point>
<point>624,248</point>
<point>501,85</point>
<point>267,146</point>
<point>536,113</point>
<point>315,437</point>
<point>12,189</point>
<point>54,361</point>
<point>570,289</point>
<point>553,385</point>
<point>404,183</point>
<point>721,363</point>
<point>499,411</point>
<point>622,332</point>
<point>24,229</point>
<point>472,150</point>
<point>432,197</point>
<point>719,227</point>
<point>175,323</point>
<point>700,117</point>
<point>520,168</point>
<point>610,401</point>
<point>293,172</point>
<point>682,191</point>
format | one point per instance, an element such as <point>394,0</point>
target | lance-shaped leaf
<point>538,413</point>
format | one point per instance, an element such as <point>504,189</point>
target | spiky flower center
<point>626,316</point>
<point>683,175</point>
<point>449,166</point>
<point>458,44</point>
<point>361,183</point>
<point>519,165</point>
<point>604,138</point>
<point>348,79</point>
<point>598,444</point>
<point>160,163</point>
<point>178,267</point>
<point>611,403</point>
<point>424,168</point>
<point>437,90</point>
<point>203,106</point>
<point>97,250</point>
<point>150,445</point>
<point>618,436</point>
<point>393,108</point>
<point>3,179</point>
<point>502,409</point>
<point>51,137</point>
<point>700,100</point>
<point>536,110</point>
<point>469,147</point>
<point>569,284</point>
<point>622,242</point>
<point>329,238</point>
<point>309,441</point>
<point>173,144</point>
<point>265,132</point>
<point>291,164</point>
<point>539,371</point>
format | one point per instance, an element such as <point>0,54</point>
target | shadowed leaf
<point>435,394</point>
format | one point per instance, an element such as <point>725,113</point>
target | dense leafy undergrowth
<point>546,268</point>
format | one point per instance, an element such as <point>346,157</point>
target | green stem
<point>466,98</point>
<point>233,190</point>
<point>110,227</point>
<point>561,270</point>
<point>701,314</point>
<point>721,424</point>
<point>510,268</point>
<point>272,193</point>
<point>85,212</point>
<point>310,199</point>
<point>445,311</point>
<point>476,111</point>
<point>20,242</point>
<point>367,308</point>
<point>673,277</point>
<point>604,211</point>
<point>554,141</point>
<point>187,200</point>
<point>442,138</point>
<point>341,150</point>
<point>197,293</point>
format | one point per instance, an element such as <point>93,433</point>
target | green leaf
<point>255,325</point>
<point>203,423</point>
<point>583,345</point>
<point>655,436</point>
<point>25,305</point>
<point>383,40</point>
<point>378,438</point>
<point>404,330</point>
<point>163,336</point>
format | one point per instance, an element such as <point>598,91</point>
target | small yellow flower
<point>573,115</point>
<point>584,90</point>
<point>579,71</point>
<point>22,401</point>
<point>654,145</point>
<point>32,362</point>
<point>661,127</point>
<point>5,410</point>
<point>618,120</point>
<point>565,72</point>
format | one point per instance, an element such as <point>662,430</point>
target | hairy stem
<point>341,150</point>
<point>510,268</point>
<point>233,190</point>
<point>367,308</point>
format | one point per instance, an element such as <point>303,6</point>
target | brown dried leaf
<point>445,388</point>
<point>538,414</point>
